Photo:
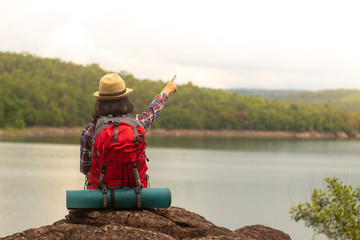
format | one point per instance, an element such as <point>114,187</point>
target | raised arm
<point>148,117</point>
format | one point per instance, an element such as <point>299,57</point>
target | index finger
<point>173,79</point>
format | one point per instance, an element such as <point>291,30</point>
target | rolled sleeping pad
<point>124,198</point>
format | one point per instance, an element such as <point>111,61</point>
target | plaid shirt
<point>146,118</point>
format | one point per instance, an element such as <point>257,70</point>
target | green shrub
<point>334,211</point>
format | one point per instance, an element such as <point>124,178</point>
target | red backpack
<point>118,154</point>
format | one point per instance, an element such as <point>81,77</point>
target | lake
<point>232,182</point>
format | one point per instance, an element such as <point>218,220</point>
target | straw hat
<point>111,87</point>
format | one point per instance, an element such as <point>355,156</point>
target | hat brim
<point>127,93</point>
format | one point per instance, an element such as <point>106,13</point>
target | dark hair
<point>115,107</point>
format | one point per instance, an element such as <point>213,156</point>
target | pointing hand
<point>170,87</point>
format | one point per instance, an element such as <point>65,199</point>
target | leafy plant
<point>334,211</point>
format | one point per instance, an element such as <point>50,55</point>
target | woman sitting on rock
<point>105,146</point>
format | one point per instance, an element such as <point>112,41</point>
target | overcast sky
<point>220,44</point>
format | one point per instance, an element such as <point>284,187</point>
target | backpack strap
<point>138,186</point>
<point>103,186</point>
<point>101,178</point>
<point>116,132</point>
<point>112,198</point>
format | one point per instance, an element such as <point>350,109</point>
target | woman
<point>112,99</point>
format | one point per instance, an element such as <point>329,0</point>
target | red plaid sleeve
<point>148,117</point>
<point>85,148</point>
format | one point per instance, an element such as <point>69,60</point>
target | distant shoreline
<point>249,134</point>
<point>34,132</point>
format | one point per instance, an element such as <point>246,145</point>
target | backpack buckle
<point>137,140</point>
<point>105,197</point>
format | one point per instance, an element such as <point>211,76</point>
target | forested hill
<point>341,99</point>
<point>264,93</point>
<point>49,92</point>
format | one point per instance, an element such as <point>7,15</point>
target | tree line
<point>38,91</point>
<point>341,99</point>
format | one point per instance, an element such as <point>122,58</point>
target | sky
<point>265,44</point>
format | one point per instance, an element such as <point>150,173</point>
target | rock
<point>342,135</point>
<point>260,232</point>
<point>354,134</point>
<point>172,223</point>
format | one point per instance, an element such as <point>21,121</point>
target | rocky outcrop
<point>172,223</point>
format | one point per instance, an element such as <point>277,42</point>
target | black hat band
<point>112,94</point>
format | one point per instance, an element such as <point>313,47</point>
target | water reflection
<point>349,146</point>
